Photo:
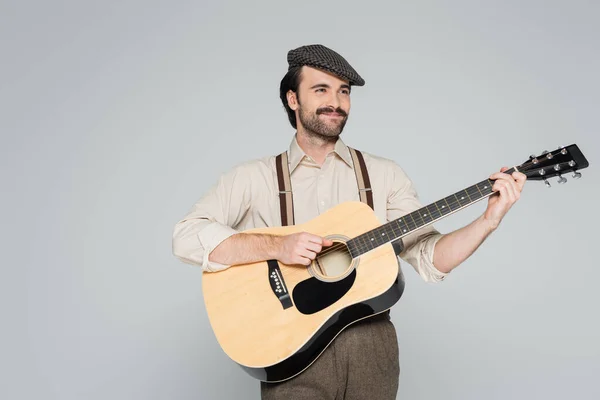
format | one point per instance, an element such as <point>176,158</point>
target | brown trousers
<point>361,364</point>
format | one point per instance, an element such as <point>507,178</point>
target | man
<point>362,362</point>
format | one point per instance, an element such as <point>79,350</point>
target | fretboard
<point>420,218</point>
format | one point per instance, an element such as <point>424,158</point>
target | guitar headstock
<point>555,163</point>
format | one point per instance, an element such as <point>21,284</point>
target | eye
<point>345,91</point>
<point>320,90</point>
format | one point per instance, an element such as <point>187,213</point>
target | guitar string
<point>363,247</point>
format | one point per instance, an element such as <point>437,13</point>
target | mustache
<point>338,110</point>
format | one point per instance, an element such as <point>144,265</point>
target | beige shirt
<point>248,197</point>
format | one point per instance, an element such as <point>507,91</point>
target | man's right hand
<point>300,248</point>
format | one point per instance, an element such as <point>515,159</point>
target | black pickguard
<point>312,295</point>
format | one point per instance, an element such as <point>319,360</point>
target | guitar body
<point>275,320</point>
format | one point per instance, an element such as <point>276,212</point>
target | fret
<point>461,199</point>
<point>479,190</point>
<point>371,239</point>
<point>390,230</point>
<point>443,205</point>
<point>396,229</point>
<point>473,193</point>
<point>433,211</point>
<point>466,191</point>
<point>413,222</point>
<point>391,227</point>
<point>457,201</point>
<point>402,226</point>
<point>487,186</point>
<point>453,202</point>
<point>381,236</point>
<point>445,200</point>
<point>424,215</point>
<point>391,234</point>
<point>364,244</point>
<point>418,214</point>
<point>353,247</point>
<point>438,208</point>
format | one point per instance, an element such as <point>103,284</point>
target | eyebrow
<point>324,85</point>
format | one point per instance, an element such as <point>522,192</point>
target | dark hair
<point>290,81</point>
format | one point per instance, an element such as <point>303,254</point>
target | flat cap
<point>321,57</point>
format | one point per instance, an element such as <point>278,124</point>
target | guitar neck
<point>420,218</point>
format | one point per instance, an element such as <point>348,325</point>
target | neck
<point>403,226</point>
<point>315,146</point>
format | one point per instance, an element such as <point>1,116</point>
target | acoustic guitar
<point>274,320</point>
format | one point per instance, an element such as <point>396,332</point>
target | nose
<point>334,101</point>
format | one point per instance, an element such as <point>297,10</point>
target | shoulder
<point>251,171</point>
<point>387,172</point>
<point>382,164</point>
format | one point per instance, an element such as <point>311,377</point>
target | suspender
<point>362,177</point>
<point>286,204</point>
<point>286,201</point>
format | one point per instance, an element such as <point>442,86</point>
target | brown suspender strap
<point>286,202</point>
<point>362,177</point>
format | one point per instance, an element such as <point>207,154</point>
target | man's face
<point>323,103</point>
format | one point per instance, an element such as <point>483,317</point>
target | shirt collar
<point>296,154</point>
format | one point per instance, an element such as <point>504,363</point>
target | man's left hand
<point>509,188</point>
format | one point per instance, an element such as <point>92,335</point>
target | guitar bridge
<point>278,284</point>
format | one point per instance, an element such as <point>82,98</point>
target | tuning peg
<point>547,183</point>
<point>561,179</point>
<point>544,152</point>
<point>576,175</point>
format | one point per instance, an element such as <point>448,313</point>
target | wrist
<point>274,244</point>
<point>488,225</point>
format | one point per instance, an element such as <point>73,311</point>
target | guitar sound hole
<point>333,263</point>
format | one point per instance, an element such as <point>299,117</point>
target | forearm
<point>455,247</point>
<point>245,248</point>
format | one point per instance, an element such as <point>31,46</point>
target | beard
<point>325,130</point>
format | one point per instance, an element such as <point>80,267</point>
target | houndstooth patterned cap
<point>319,56</point>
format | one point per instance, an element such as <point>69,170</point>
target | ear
<point>292,100</point>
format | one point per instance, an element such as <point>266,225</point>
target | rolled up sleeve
<point>419,246</point>
<point>212,220</point>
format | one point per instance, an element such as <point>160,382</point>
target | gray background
<point>116,116</point>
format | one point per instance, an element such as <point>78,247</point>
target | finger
<point>307,254</point>
<point>520,177</point>
<point>506,191</point>
<point>302,261</point>
<point>515,188</point>
<point>517,185</point>
<point>314,247</point>
<point>503,169</point>
<point>500,175</point>
<point>500,186</point>
<point>318,239</point>
<point>327,242</point>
